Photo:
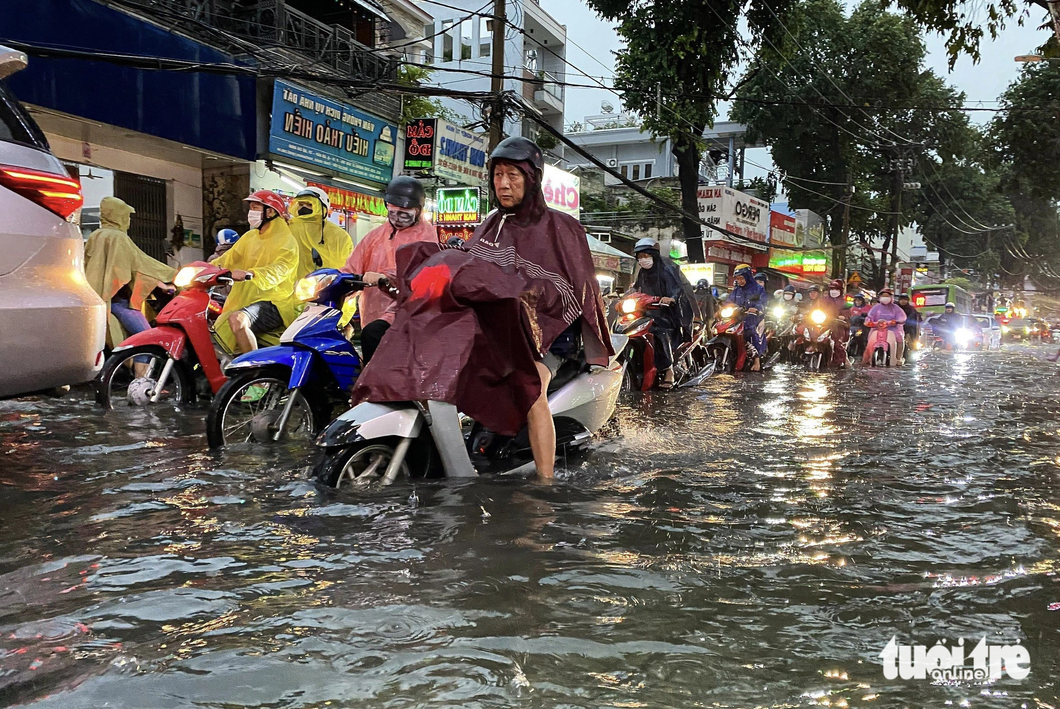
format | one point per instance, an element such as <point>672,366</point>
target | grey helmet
<point>646,244</point>
<point>405,192</point>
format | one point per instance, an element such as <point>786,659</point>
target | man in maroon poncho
<point>476,322</point>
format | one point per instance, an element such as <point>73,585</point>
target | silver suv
<point>52,324</point>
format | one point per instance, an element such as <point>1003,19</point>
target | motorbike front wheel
<point>249,405</point>
<point>358,465</point>
<point>124,379</point>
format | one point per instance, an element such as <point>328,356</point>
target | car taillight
<point>57,193</point>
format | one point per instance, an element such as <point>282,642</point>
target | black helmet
<point>703,284</point>
<point>405,192</point>
<point>789,288</point>
<point>518,149</point>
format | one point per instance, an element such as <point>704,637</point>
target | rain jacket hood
<point>271,254</point>
<point>751,295</point>
<point>315,231</point>
<point>664,279</point>
<point>113,261</point>
<point>377,252</point>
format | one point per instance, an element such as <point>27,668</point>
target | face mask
<point>401,218</point>
<point>646,261</point>
<point>789,296</point>
<point>886,300</point>
<point>255,217</point>
<point>834,293</point>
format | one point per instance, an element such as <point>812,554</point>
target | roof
<point>597,246</point>
<point>722,130</point>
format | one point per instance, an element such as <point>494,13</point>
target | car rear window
<point>16,125</point>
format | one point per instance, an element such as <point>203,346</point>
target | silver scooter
<point>381,442</point>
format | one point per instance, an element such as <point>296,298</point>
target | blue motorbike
<point>287,392</point>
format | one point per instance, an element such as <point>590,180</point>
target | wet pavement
<point>752,543</point>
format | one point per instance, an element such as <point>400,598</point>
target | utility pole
<point>500,29</point>
<point>903,161</point>
<point>839,256</point>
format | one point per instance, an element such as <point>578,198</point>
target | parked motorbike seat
<point>568,371</point>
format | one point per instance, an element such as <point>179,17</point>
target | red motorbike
<point>159,365</point>
<point>691,363</point>
<point>815,341</point>
<point>728,348</point>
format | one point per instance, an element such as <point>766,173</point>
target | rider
<point>810,302</point>
<point>120,273</point>
<point>947,324</point>
<point>263,263</point>
<point>751,296</point>
<point>315,232</point>
<point>785,313</point>
<point>704,295</point>
<point>912,318</point>
<point>374,257</point>
<point>224,240</point>
<point>672,322</point>
<point>887,311</point>
<point>835,304</point>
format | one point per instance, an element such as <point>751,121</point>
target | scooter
<point>815,341</point>
<point>379,442</point>
<point>883,344</point>
<point>859,336</point>
<point>159,365</point>
<point>296,382</point>
<point>728,348</point>
<point>691,364</point>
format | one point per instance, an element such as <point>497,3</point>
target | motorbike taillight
<point>214,309</point>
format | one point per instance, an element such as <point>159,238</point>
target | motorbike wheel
<point>815,361</point>
<point>359,465</point>
<point>879,357</point>
<point>116,381</point>
<point>247,407</point>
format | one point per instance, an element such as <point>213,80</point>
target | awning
<point>372,7</point>
<point>599,247</point>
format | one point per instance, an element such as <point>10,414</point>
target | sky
<point>591,41</point>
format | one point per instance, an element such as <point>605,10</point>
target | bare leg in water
<point>542,429</point>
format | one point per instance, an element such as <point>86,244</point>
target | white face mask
<point>886,300</point>
<point>646,261</point>
<point>255,217</point>
<point>834,293</point>
<point>789,296</point>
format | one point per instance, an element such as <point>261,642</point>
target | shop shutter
<point>147,195</point>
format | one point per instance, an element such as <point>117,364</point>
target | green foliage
<point>960,282</point>
<point>413,107</point>
<point>963,23</point>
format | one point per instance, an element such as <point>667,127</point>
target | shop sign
<point>809,228</point>
<point>734,211</point>
<point>419,144</point>
<point>460,155</point>
<point>606,262</point>
<point>330,134</point>
<point>811,264</point>
<point>721,252</point>
<point>348,201</point>
<point>457,205</point>
<point>562,191</point>
<point>696,272</point>
<point>782,229</point>
<point>445,233</point>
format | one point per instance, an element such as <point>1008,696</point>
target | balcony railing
<point>272,23</point>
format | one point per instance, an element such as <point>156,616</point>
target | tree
<point>686,50</point>
<point>838,158</point>
<point>413,107</point>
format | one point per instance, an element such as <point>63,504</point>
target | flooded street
<point>756,542</point>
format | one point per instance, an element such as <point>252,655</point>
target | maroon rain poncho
<point>473,321</point>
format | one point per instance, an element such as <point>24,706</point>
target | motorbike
<point>883,344</point>
<point>691,363</point>
<point>380,442</point>
<point>160,364</point>
<point>288,390</point>
<point>814,343</point>
<point>859,336</point>
<point>728,348</point>
<point>781,330</point>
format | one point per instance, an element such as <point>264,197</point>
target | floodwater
<point>753,543</point>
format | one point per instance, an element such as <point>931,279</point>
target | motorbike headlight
<point>778,313</point>
<point>186,275</point>
<point>728,312</point>
<point>818,317</point>
<point>629,305</point>
<point>1005,328</point>
<point>963,336</point>
<point>1026,329</point>
<point>308,287</point>
<point>917,345</point>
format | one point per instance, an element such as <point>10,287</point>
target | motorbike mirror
<point>317,261</point>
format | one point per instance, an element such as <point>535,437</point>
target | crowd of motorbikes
<point>294,388</point>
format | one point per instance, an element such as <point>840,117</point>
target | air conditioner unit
<point>612,162</point>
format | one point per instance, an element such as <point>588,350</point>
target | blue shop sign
<point>329,134</point>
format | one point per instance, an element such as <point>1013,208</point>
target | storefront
<point>744,216</point>
<point>614,269</point>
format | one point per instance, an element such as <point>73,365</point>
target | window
<point>647,170</point>
<point>16,126</point>
<point>485,37</point>
<point>447,41</point>
<point>624,171</point>
<point>636,172</point>
<point>465,39</point>
<point>428,31</point>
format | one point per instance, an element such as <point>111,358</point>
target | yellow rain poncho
<point>272,256</point>
<point>113,261</point>
<point>312,231</point>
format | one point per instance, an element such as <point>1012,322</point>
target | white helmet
<point>645,244</point>
<point>319,194</point>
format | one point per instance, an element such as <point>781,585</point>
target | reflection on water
<point>755,542</point>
